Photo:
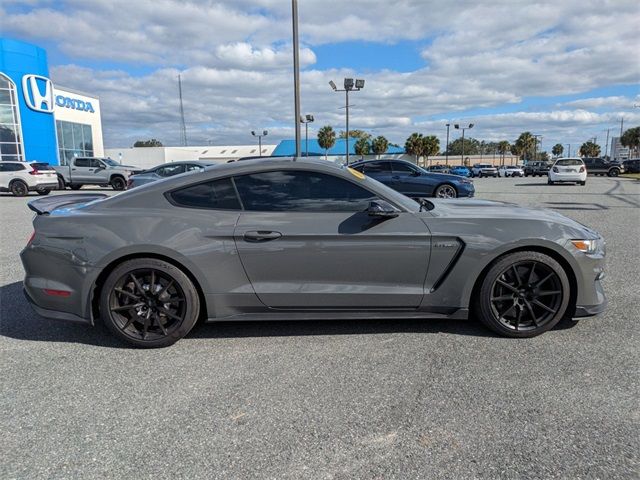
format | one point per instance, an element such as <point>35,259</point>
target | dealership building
<point>40,121</point>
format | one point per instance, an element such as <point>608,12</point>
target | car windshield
<point>110,162</point>
<point>41,166</point>
<point>569,161</point>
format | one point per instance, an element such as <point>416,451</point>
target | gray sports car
<point>302,239</point>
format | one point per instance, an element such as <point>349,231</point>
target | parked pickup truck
<point>599,166</point>
<point>537,168</point>
<point>94,171</point>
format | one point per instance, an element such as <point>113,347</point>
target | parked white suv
<point>20,178</point>
<point>484,170</point>
<point>510,171</point>
<point>568,170</point>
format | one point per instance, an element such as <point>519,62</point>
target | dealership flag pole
<point>296,73</point>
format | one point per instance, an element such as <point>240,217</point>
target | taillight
<point>34,172</point>
<point>57,293</point>
<point>555,169</point>
<point>581,169</point>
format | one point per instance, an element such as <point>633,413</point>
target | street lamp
<point>568,150</point>
<point>458,127</point>
<point>259,135</point>
<point>446,153</point>
<point>307,119</point>
<point>349,85</point>
<point>535,146</point>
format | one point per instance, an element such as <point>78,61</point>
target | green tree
<point>557,149</point>
<point>414,145</point>
<point>502,148</point>
<point>355,134</point>
<point>379,145</point>
<point>631,138</point>
<point>471,146</point>
<point>148,143</point>
<point>326,138</point>
<point>589,149</point>
<point>525,145</point>
<point>430,146</point>
<point>362,147</point>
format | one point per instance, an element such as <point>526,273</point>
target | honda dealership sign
<point>38,93</point>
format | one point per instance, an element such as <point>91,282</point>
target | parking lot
<point>359,399</point>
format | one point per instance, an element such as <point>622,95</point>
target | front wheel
<point>445,191</point>
<point>19,188</point>
<point>549,182</point>
<point>614,172</point>
<point>118,183</point>
<point>43,191</point>
<point>524,294</point>
<point>583,183</point>
<point>149,303</point>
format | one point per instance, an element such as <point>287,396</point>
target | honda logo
<point>38,93</point>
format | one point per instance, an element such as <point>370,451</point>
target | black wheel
<point>479,174</point>
<point>445,191</point>
<point>61,184</point>
<point>43,191</point>
<point>118,183</point>
<point>614,172</point>
<point>583,183</point>
<point>523,295</point>
<point>75,187</point>
<point>549,182</point>
<point>19,188</point>
<point>149,303</point>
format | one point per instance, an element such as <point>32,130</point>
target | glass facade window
<point>11,147</point>
<point>74,140</point>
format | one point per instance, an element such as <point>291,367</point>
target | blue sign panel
<point>26,65</point>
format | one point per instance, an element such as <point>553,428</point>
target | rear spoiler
<point>44,206</point>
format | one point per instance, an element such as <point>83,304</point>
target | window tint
<point>82,162</point>
<point>291,190</point>
<point>569,161</point>
<point>193,166</point>
<point>401,167</point>
<point>41,166</point>
<point>95,163</point>
<point>218,194</point>
<point>169,170</point>
<point>376,167</point>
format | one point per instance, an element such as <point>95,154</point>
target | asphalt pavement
<point>333,400</point>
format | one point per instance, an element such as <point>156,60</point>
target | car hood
<point>467,208</point>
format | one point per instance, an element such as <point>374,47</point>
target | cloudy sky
<point>565,69</point>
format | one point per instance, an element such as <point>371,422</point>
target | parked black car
<point>537,168</point>
<point>632,165</point>
<point>599,166</point>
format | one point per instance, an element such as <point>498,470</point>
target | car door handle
<point>73,169</point>
<point>261,236</point>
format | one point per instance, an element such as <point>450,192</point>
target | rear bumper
<point>44,186</point>
<point>54,314</point>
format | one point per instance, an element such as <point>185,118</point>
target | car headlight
<point>587,246</point>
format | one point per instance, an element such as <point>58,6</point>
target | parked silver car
<point>276,239</point>
<point>166,170</point>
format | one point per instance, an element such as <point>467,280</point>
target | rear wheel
<point>75,186</point>
<point>549,182</point>
<point>614,172</point>
<point>149,303</point>
<point>583,183</point>
<point>19,188</point>
<point>43,191</point>
<point>118,183</point>
<point>61,184</point>
<point>445,191</point>
<point>524,294</point>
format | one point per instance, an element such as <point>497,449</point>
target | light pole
<point>446,152</point>
<point>535,146</point>
<point>458,127</point>
<point>259,135</point>
<point>349,85</point>
<point>307,119</point>
<point>296,73</point>
<point>568,150</point>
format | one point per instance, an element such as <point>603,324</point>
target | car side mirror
<point>381,209</point>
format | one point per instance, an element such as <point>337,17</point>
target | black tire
<point>43,191</point>
<point>118,183</point>
<point>479,174</point>
<point>61,184</point>
<point>19,188</point>
<point>549,182</point>
<point>135,313</point>
<point>446,190</point>
<point>583,183</point>
<point>531,287</point>
<point>75,186</point>
<point>614,172</point>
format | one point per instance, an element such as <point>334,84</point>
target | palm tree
<point>326,138</point>
<point>362,147</point>
<point>525,144</point>
<point>430,146</point>
<point>414,145</point>
<point>557,149</point>
<point>590,149</point>
<point>631,138</point>
<point>503,148</point>
<point>379,145</point>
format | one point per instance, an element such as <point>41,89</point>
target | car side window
<point>301,191</point>
<point>217,194</point>
<point>401,167</point>
<point>170,170</point>
<point>193,166</point>
<point>3,167</point>
<point>95,163</point>
<point>376,167</point>
<point>82,162</point>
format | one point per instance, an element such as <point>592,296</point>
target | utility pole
<point>296,73</point>
<point>446,153</point>
<point>606,148</point>
<point>183,125</point>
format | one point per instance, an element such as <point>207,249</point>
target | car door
<point>99,172</point>
<point>81,170</point>
<point>306,241</point>
<point>410,180</point>
<point>379,170</point>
